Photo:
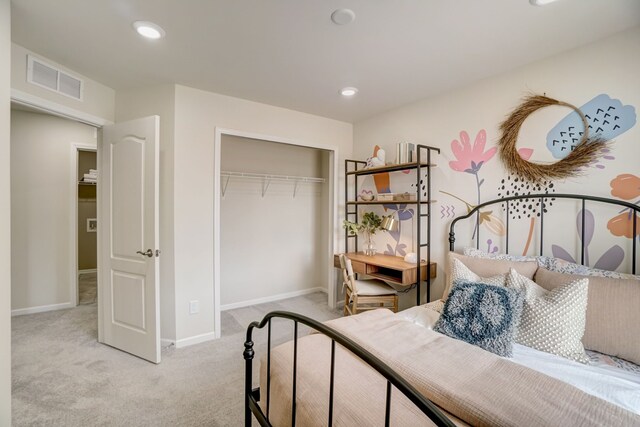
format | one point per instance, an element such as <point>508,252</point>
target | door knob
<point>148,253</point>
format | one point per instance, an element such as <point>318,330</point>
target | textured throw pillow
<point>484,268</point>
<point>613,313</point>
<point>483,315</point>
<point>552,321</point>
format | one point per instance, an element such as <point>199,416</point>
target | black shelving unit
<point>355,169</point>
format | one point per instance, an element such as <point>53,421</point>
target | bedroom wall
<point>42,169</point>
<point>5,215</point>
<point>142,102</point>
<point>602,74</point>
<point>98,99</point>
<point>273,245</point>
<point>198,113</point>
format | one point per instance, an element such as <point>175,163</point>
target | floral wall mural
<point>625,187</point>
<point>607,117</point>
<point>465,124</point>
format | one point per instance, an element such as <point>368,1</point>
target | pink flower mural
<point>470,158</point>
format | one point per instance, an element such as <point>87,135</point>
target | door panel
<point>127,210</point>
<point>129,204</point>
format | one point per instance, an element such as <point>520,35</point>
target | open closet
<point>274,221</point>
<point>87,227</point>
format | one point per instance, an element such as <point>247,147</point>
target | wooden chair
<point>365,294</point>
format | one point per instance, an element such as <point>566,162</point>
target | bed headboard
<point>505,202</point>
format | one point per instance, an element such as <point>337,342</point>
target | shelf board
<point>392,202</point>
<point>86,183</point>
<point>390,168</point>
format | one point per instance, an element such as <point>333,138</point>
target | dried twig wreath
<point>585,152</point>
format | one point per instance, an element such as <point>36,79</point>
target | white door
<point>129,187</point>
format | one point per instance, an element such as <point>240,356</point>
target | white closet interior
<point>274,221</point>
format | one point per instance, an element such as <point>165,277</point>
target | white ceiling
<point>289,53</point>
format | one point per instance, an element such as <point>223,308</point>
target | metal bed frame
<point>542,198</point>
<point>253,395</point>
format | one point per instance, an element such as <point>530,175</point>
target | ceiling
<point>288,52</point>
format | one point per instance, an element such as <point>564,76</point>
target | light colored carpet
<point>87,288</point>
<point>63,377</point>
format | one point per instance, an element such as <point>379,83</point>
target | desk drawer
<point>359,267</point>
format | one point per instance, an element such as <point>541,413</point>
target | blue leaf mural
<point>607,118</point>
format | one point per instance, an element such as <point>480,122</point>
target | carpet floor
<point>87,288</point>
<point>63,377</point>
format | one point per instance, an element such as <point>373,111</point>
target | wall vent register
<point>49,77</point>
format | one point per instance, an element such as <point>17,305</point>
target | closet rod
<point>267,178</point>
<point>251,175</point>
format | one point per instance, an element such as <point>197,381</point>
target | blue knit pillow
<point>482,315</point>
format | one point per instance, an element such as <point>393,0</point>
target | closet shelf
<point>86,183</point>
<point>267,178</point>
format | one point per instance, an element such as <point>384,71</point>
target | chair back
<point>348,278</point>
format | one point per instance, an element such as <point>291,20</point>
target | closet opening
<point>87,227</point>
<point>274,227</point>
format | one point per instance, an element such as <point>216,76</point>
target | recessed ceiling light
<point>148,29</point>
<point>541,2</point>
<point>349,91</point>
<point>343,16</point>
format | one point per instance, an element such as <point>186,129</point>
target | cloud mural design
<point>607,117</point>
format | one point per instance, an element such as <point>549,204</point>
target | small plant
<point>371,222</point>
<point>368,226</point>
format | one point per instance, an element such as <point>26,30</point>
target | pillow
<point>483,315</point>
<point>486,268</point>
<point>543,261</point>
<point>613,313</point>
<point>552,321</point>
<point>561,266</point>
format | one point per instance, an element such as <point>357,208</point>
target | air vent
<point>50,77</point>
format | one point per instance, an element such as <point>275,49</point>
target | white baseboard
<point>41,309</point>
<point>87,271</point>
<point>271,298</point>
<point>185,342</point>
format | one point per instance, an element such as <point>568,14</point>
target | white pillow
<point>552,321</point>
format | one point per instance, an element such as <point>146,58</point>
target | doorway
<point>86,235</point>
<point>44,208</point>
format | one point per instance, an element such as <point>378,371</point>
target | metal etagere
<point>355,169</point>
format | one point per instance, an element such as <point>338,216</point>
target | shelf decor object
<point>585,151</point>
<point>355,169</point>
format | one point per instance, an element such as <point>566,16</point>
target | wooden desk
<point>389,268</point>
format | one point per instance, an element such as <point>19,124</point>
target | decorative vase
<point>369,247</point>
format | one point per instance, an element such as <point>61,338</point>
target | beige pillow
<point>554,320</point>
<point>487,267</point>
<point>613,313</point>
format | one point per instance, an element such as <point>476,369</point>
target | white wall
<point>143,102</point>
<point>42,170</point>
<point>5,215</point>
<point>198,113</point>
<point>609,66</point>
<point>271,245</point>
<point>98,99</point>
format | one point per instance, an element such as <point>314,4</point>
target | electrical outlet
<point>194,307</point>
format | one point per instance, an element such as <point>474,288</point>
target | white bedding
<point>618,386</point>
